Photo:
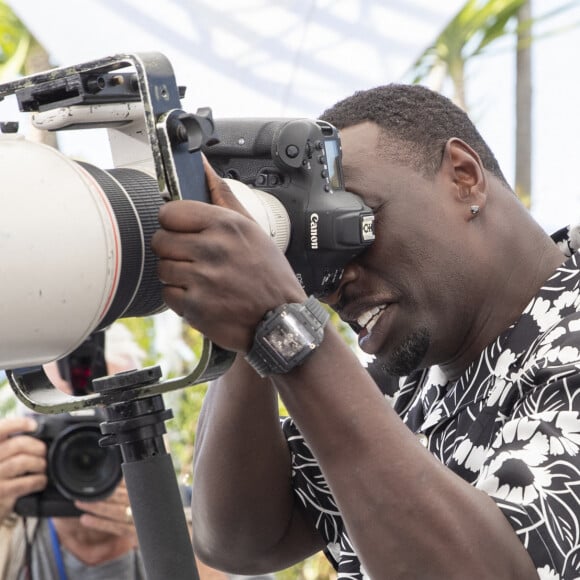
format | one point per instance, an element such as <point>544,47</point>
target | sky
<point>288,58</point>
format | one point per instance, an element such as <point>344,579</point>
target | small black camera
<point>78,467</point>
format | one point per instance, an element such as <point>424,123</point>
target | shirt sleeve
<point>313,492</point>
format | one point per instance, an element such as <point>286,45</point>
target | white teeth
<point>372,323</point>
<point>369,318</point>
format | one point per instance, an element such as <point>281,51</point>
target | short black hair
<point>419,118</point>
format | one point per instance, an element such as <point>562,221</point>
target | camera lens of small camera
<point>80,468</point>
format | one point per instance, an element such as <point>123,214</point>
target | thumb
<point>220,191</point>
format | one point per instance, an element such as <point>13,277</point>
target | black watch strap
<point>287,336</point>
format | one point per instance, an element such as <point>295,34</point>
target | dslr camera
<point>293,166</point>
<point>78,467</point>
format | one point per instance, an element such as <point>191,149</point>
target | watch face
<point>288,338</point>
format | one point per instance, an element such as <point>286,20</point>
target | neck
<point>92,547</point>
<point>519,277</point>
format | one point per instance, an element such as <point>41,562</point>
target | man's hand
<point>22,462</point>
<point>221,271</point>
<point>112,515</point>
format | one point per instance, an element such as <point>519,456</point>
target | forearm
<point>406,513</point>
<point>239,440</point>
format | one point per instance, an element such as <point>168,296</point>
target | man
<point>472,470</point>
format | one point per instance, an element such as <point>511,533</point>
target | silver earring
<point>474,209</point>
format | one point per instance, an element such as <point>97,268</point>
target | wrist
<point>287,336</point>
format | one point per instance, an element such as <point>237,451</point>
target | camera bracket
<point>95,94</point>
<point>33,387</point>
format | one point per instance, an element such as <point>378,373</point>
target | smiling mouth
<point>366,321</point>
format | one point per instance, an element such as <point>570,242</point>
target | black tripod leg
<point>160,520</point>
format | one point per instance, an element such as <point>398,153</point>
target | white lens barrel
<point>60,254</point>
<point>75,248</point>
<point>266,209</point>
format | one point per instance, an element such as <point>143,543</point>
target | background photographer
<point>103,540</point>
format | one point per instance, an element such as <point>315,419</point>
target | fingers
<point>117,527</point>
<point>195,216</point>
<point>12,489</point>
<point>220,192</point>
<point>22,462</point>
<point>192,247</point>
<point>22,473</point>
<point>21,445</point>
<point>105,509</point>
<point>112,515</point>
<point>188,216</point>
<point>13,425</point>
<point>20,456</point>
<point>174,297</point>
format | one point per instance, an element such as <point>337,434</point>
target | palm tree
<point>523,152</point>
<point>476,26</point>
<point>473,29</point>
<point>524,95</point>
<point>468,35</point>
<point>15,43</point>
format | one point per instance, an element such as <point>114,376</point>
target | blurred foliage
<point>20,51</point>
<point>477,24</point>
<point>15,42</point>
<point>7,399</point>
<point>315,568</point>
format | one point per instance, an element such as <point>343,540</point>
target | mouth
<point>364,323</point>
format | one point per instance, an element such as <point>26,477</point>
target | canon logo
<point>314,231</point>
<point>367,228</point>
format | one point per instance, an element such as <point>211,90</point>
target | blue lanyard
<point>56,550</point>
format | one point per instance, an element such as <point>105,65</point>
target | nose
<point>349,275</point>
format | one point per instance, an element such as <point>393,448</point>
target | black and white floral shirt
<point>510,426</point>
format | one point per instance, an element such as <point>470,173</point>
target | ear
<point>463,167</point>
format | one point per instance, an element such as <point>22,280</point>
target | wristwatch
<point>286,336</point>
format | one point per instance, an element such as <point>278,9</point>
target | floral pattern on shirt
<point>510,426</point>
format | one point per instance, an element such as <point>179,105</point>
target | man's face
<point>406,294</point>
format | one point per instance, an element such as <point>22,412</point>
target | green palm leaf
<point>15,42</point>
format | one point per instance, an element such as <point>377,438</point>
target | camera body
<point>78,467</point>
<point>299,162</point>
